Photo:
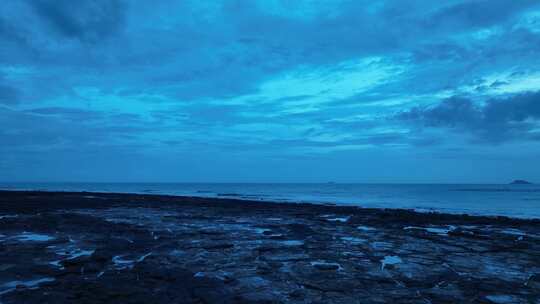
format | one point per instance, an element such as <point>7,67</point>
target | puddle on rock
<point>390,260</point>
<point>31,284</point>
<point>436,230</point>
<point>33,237</point>
<point>121,263</point>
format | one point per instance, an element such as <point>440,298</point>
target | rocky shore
<point>60,247</point>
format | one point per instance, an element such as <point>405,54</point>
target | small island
<point>520,182</point>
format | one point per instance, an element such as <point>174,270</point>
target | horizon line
<point>264,182</point>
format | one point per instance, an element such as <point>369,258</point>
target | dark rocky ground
<point>121,248</point>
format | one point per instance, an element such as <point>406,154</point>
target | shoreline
<point>171,198</point>
<point>143,248</point>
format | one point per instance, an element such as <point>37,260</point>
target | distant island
<point>520,182</point>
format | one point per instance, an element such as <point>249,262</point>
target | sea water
<point>507,200</point>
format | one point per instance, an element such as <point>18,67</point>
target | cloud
<point>294,98</point>
<point>496,120</point>
<point>191,50</point>
<point>8,95</point>
<point>68,113</point>
<point>479,13</point>
<point>61,128</point>
<point>271,78</point>
<point>85,20</point>
<point>9,33</point>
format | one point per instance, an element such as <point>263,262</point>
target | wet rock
<point>162,274</point>
<point>326,266</point>
<point>92,267</point>
<point>297,294</point>
<point>300,230</point>
<point>6,267</point>
<point>259,297</point>
<point>213,295</point>
<point>101,255</point>
<point>214,252</point>
<point>504,299</point>
<point>210,231</point>
<point>267,248</point>
<point>264,268</point>
<point>330,286</point>
<point>217,246</point>
<point>533,281</point>
<point>77,262</point>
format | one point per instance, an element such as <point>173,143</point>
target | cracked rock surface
<point>127,248</point>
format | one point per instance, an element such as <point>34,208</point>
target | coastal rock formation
<point>112,248</point>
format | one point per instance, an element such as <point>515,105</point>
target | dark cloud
<point>498,83</point>
<point>479,13</point>
<point>497,120</point>
<point>62,128</point>
<point>9,33</point>
<point>86,20</point>
<point>8,95</point>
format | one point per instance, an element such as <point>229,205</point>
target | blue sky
<point>270,91</point>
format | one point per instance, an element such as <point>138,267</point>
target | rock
<point>5,267</point>
<point>503,299</point>
<point>534,281</point>
<point>300,229</point>
<point>217,246</point>
<point>92,267</point>
<point>259,297</point>
<point>327,286</point>
<point>267,248</point>
<point>209,231</point>
<point>45,270</point>
<point>264,269</point>
<point>101,255</point>
<point>298,294</point>
<point>77,262</point>
<point>326,266</point>
<point>213,295</point>
<point>298,259</point>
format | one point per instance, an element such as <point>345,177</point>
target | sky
<point>415,91</point>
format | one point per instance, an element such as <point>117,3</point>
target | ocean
<point>521,201</point>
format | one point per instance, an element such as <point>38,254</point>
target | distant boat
<point>520,182</point>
